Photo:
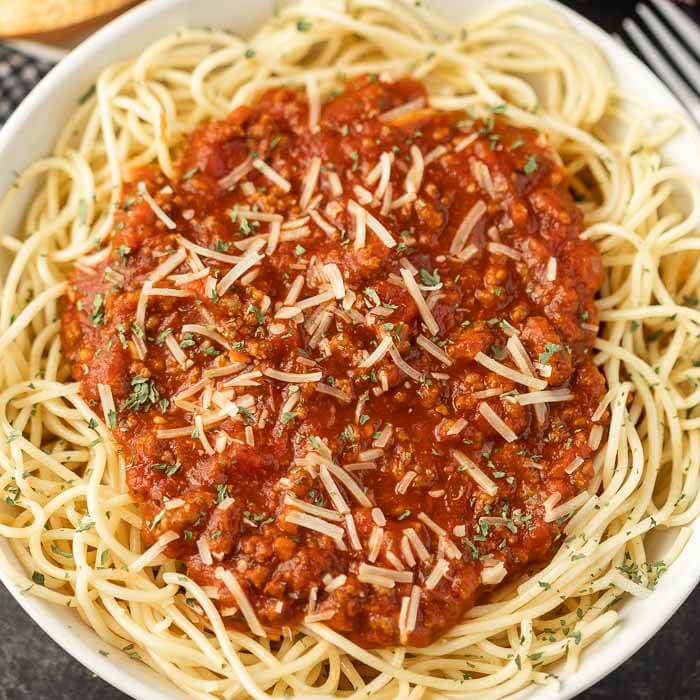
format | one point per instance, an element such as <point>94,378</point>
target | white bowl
<point>30,135</point>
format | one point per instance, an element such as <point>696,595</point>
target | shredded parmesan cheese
<point>567,508</point>
<point>230,581</point>
<point>403,365</point>
<point>439,570</point>
<point>334,392</point>
<point>387,200</point>
<point>394,561</point>
<point>497,423</point>
<point>482,175</point>
<point>251,258</point>
<point>466,142</point>
<point>501,249</point>
<point>414,177</point>
<point>469,252</point>
<point>595,437</point>
<point>320,616</point>
<point>238,173</point>
<point>146,195</point>
<point>425,312</point>
<point>385,161</point>
<point>508,373</point>
<point>333,491</point>
<point>402,110</point>
<point>207,252</point>
<point>413,606</point>
<point>378,517</point>
<point>201,434</point>
<point>153,551</point>
<point>600,409</point>
<point>335,583</point>
<point>244,379</point>
<point>493,575</point>
<point>359,466</point>
<point>315,300</point>
<point>369,455</point>
<point>384,436</point>
<point>313,96</point>
<point>378,353</point>
<point>435,154</point>
<point>273,237</point>
<point>375,226</point>
<point>272,175</point>
<point>167,292</point>
<point>108,409</point>
<point>574,465</point>
<point>483,481</point>
<point>310,182</point>
<point>326,227</point>
<point>204,551</point>
<point>335,184</point>
<point>168,265</point>
<point>226,370</point>
<point>466,227</point>
<point>254,215</point>
<point>407,552</point>
<point>311,522</point>
<point>336,279</point>
<point>352,532</point>
<point>520,356</point>
<point>431,524</point>
<point>437,352</point>
<point>405,482</point>
<point>548,396</point>
<point>175,350</point>
<point>381,581</point>
<point>417,544</point>
<point>350,484</point>
<point>375,543</point>
<point>360,218</point>
<point>292,377</point>
<point>457,427</point>
<point>397,576</point>
<point>180,280</point>
<point>199,329</point>
<point>488,393</point>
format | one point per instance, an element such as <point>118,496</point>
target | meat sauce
<point>232,489</point>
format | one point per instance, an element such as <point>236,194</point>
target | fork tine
<point>673,47</point>
<point>662,67</point>
<point>682,24</point>
<point>619,39</point>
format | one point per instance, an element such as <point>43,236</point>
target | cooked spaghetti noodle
<point>72,523</point>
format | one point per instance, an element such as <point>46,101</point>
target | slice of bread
<point>56,18</point>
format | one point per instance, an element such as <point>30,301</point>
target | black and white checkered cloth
<point>19,73</point>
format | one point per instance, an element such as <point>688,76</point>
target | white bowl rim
<point>140,687</point>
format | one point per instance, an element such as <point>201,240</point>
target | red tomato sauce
<point>476,302</point>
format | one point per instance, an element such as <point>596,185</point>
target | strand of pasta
<point>74,544</point>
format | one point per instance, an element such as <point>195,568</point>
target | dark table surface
<point>668,667</point>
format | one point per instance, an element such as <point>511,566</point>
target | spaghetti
<point>78,532</point>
